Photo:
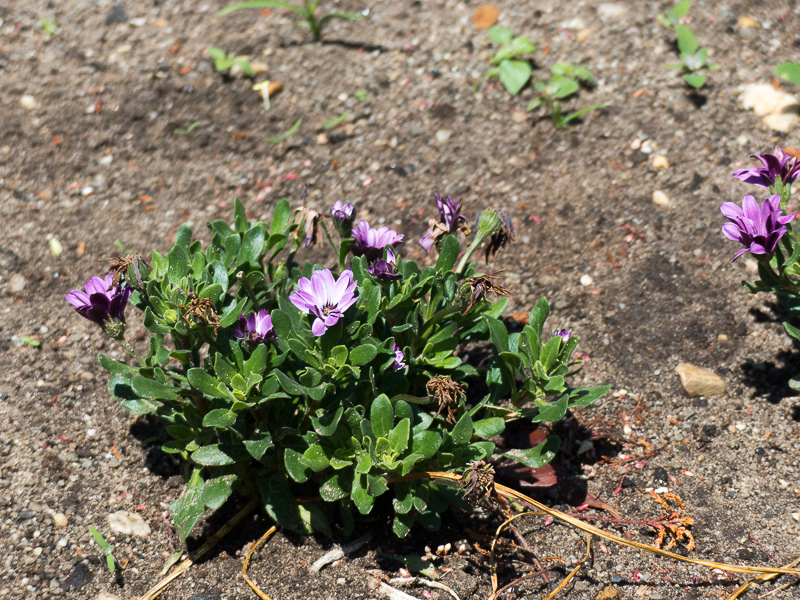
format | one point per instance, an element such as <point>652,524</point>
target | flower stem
<point>129,349</point>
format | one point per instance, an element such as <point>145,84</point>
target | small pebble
<point>128,523</point>
<point>16,283</point>
<point>751,266</point>
<point>660,198</point>
<point>28,102</point>
<point>443,135</point>
<point>744,22</point>
<point>586,280</point>
<point>660,162</point>
<point>60,520</point>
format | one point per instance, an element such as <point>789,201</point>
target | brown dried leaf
<point>485,16</point>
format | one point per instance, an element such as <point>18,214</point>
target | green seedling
<point>788,71</point>
<point>563,84</point>
<point>513,69</point>
<point>331,123</point>
<point>108,550</point>
<point>189,129</point>
<point>32,342</point>
<point>672,19</point>
<point>306,11</point>
<point>50,27</point>
<point>224,61</point>
<point>286,134</point>
<point>694,60</point>
<point>361,95</point>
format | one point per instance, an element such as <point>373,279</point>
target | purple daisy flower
<point>383,268</point>
<point>779,165</point>
<point>565,335</point>
<point>758,228</point>
<point>370,242</point>
<point>343,214</point>
<point>399,363</point>
<point>325,298</point>
<point>255,328</point>
<point>102,301</point>
<point>450,221</point>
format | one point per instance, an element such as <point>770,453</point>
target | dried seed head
<point>447,394</point>
<point>482,284</point>
<point>478,481</point>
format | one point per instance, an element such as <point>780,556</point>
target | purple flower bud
<point>779,165</point>
<point>325,298</point>
<point>343,214</point>
<point>255,328</point>
<point>399,363</point>
<point>383,268</point>
<point>565,335</point>
<point>450,221</point>
<point>757,228</point>
<point>101,301</point>
<point>370,242</point>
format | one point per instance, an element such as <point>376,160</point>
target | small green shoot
<point>513,70</point>
<point>788,71</point>
<point>50,27</point>
<point>108,551</point>
<point>286,134</point>
<point>32,342</point>
<point>563,84</point>
<point>694,60</point>
<point>189,129</point>
<point>672,19</point>
<point>306,11</point>
<point>361,95</point>
<point>122,248</point>
<point>224,61</point>
<point>331,123</point>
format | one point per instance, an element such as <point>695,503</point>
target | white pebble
<point>60,520</point>
<point>443,135</point>
<point>586,280</point>
<point>660,198</point>
<point>29,102</point>
<point>660,162</point>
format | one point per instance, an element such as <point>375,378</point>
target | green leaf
<point>560,87</point>
<point>361,355</point>
<point>551,411</point>
<point>216,491</point>
<point>289,385</point>
<point>340,15</point>
<point>501,35</point>
<point>359,494</point>
<point>220,417</point>
<point>292,459</point>
<point>788,71</point>
<point>585,396</point>
<point>336,486</point>
<point>680,10</point>
<point>448,254</point>
<point>257,362</point>
<point>398,437</point>
<point>339,355</point>
<point>687,44</point>
<point>287,134</point>
<point>279,500</point>
<point>281,218</point>
<point>188,509</point>
<point>331,123</point>
<point>535,103</point>
<point>462,430</point>
<point>315,458</point>
<point>217,455</point>
<point>258,447</point>
<point>178,264</point>
<point>252,247</point>
<point>149,388</point>
<point>314,520</point>
<point>521,45</point>
<point>206,384</point>
<point>326,424</point>
<point>381,416</point>
<point>538,456</point>
<point>262,4</point>
<point>114,366</point>
<point>490,427</point>
<point>695,80</point>
<point>514,74</point>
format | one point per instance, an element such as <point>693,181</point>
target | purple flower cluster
<point>398,363</point>
<point>383,268</point>
<point>776,166</point>
<point>255,328</point>
<point>325,298</point>
<point>343,215</point>
<point>370,243</point>
<point>563,333</point>
<point>102,301</point>
<point>757,228</point>
<point>450,221</point>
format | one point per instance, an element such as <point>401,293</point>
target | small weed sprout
<point>224,61</point>
<point>286,134</point>
<point>694,60</point>
<point>108,550</point>
<point>306,11</point>
<point>513,69</point>
<point>361,95</point>
<point>788,71</point>
<point>187,130</point>
<point>563,84</point>
<point>331,123</point>
<point>50,27</point>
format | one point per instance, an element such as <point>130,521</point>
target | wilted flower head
<point>308,219</point>
<point>481,285</point>
<point>102,301</point>
<point>370,242</point>
<point>450,221</point>
<point>343,215</point>
<point>383,268</point>
<point>504,235</point>
<point>399,363</point>
<point>779,165</point>
<point>563,333</point>
<point>325,298</point>
<point>256,328</point>
<point>756,227</point>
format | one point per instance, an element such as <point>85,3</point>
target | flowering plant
<point>767,232</point>
<point>288,380</point>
